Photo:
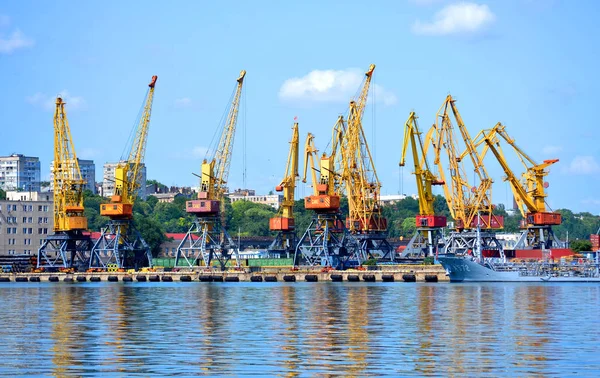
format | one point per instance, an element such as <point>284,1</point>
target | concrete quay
<point>388,273</point>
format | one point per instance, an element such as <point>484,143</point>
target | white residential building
<point>88,173</point>
<point>108,180</point>
<point>273,200</point>
<point>19,172</point>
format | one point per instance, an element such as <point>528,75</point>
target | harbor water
<point>300,329</point>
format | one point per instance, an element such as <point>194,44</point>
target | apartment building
<point>88,173</point>
<point>26,218</point>
<point>19,172</point>
<point>108,180</point>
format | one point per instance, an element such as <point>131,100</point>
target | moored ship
<point>466,268</point>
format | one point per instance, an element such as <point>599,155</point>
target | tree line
<point>245,218</point>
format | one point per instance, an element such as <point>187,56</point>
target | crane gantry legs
<point>206,240</point>
<point>121,244</point>
<point>327,242</point>
<point>65,250</point>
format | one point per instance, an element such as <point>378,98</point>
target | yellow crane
<point>68,246</point>
<point>326,240</point>
<point>283,223</point>
<point>429,225</point>
<point>120,243</point>
<point>362,184</point>
<point>208,238</point>
<point>530,193</point>
<point>470,207</point>
<point>473,206</point>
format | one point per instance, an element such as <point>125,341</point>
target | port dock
<point>392,273</point>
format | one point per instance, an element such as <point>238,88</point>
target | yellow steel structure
<point>529,194</point>
<point>358,171</point>
<point>214,173</point>
<point>67,247</point>
<point>425,177</point>
<point>284,223</point>
<point>128,173</point>
<point>213,241</point>
<point>288,186</point>
<point>428,224</point>
<point>328,187</point>
<point>470,206</point>
<point>119,243</point>
<point>68,182</point>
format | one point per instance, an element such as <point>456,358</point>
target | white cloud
<point>459,18</point>
<point>591,201</point>
<point>330,86</point>
<point>551,150</point>
<point>14,41</point>
<point>49,102</point>
<point>583,165</point>
<point>184,102</point>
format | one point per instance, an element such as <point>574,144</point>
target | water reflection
<point>299,329</point>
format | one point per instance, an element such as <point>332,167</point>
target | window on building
<point>30,220</point>
<point>39,219</point>
<point>24,219</point>
<point>46,208</point>
<point>39,231</point>
<point>30,230</point>
<point>40,208</point>
<point>24,207</point>
<point>29,208</point>
<point>45,231</point>
<point>14,230</point>
<point>14,207</point>
<point>8,230</point>
<point>24,230</point>
<point>45,219</point>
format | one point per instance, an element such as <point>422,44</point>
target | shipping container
<point>322,202</point>
<point>430,221</point>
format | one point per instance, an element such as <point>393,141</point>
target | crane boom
<point>530,195</point>
<point>68,182</point>
<point>468,209</point>
<point>359,174</point>
<point>309,161</point>
<point>425,178</point>
<point>128,173</point>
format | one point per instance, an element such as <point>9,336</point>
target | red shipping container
<point>544,219</point>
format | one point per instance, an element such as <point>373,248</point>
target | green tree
<point>151,231</point>
<point>409,226</point>
<point>2,194</point>
<point>581,245</point>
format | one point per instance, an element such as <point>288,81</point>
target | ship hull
<point>464,269</point>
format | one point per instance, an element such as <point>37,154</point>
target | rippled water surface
<point>301,329</point>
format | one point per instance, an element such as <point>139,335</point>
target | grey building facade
<point>88,173</point>
<point>19,172</point>
<point>26,218</point>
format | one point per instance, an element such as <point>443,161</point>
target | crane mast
<point>361,181</point>
<point>283,223</point>
<point>120,243</point>
<point>326,241</point>
<point>67,247</point>
<point>471,207</point>
<point>207,238</point>
<point>530,193</point>
<point>429,225</point>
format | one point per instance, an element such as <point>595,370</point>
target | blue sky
<point>531,64</point>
